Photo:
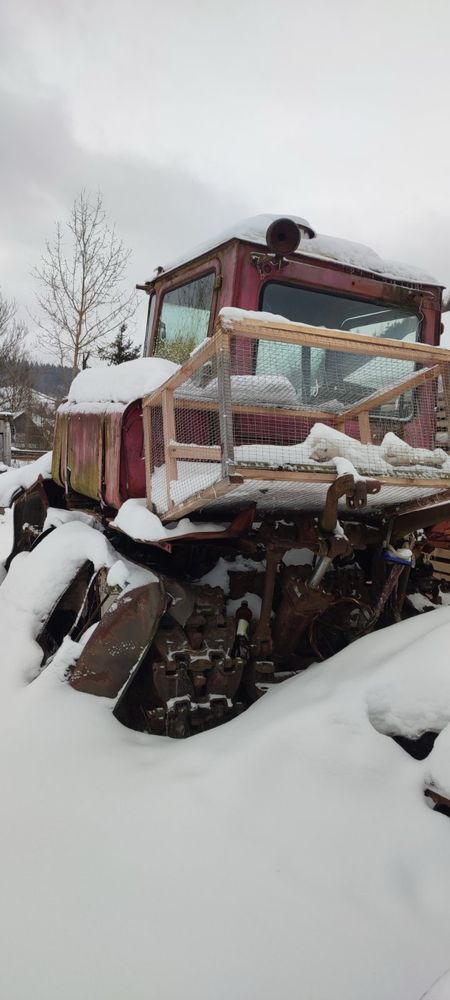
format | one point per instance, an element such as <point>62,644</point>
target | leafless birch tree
<point>14,361</point>
<point>82,297</point>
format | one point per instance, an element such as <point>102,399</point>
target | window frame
<point>151,308</point>
<point>317,289</point>
<point>179,281</point>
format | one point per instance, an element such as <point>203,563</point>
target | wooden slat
<point>283,475</point>
<point>224,487</point>
<point>440,569</point>
<point>438,558</point>
<point>337,340</point>
<point>257,411</point>
<point>385,395</point>
<point>196,452</point>
<point>203,499</point>
<point>367,404</point>
<point>198,359</point>
<point>364,428</point>
<point>169,435</point>
<point>224,393</point>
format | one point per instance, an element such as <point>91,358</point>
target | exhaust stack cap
<point>284,235</point>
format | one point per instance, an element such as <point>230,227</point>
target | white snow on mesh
<point>121,383</point>
<point>298,829</point>
<point>192,477</point>
<point>324,448</point>
<point>14,480</point>
<point>325,444</point>
<point>274,390</point>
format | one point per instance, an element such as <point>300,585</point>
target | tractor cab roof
<point>352,255</point>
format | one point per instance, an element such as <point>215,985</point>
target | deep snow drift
<point>14,480</point>
<point>290,853</point>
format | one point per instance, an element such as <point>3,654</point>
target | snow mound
<point>294,843</point>
<point>326,444</point>
<point>138,522</point>
<point>16,479</point>
<point>121,383</point>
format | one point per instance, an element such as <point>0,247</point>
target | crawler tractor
<point>288,459</point>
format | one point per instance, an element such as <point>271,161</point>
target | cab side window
<point>184,318</point>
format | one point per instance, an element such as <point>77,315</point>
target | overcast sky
<point>188,115</point>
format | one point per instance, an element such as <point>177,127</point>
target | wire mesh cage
<point>282,403</point>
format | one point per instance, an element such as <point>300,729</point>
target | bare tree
<point>8,311</point>
<point>82,274</point>
<point>15,380</point>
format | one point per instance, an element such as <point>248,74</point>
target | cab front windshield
<point>327,379</point>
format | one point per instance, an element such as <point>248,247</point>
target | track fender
<point>117,647</point>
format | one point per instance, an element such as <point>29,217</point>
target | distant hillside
<point>52,380</point>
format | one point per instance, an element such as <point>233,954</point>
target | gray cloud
<point>158,211</point>
<point>189,116</point>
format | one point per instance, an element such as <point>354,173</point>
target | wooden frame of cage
<point>436,360</point>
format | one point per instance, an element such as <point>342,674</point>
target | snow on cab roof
<point>322,247</point>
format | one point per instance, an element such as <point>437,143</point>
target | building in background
<point>31,424</point>
<point>5,438</point>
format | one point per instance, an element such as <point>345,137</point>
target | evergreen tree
<point>120,349</point>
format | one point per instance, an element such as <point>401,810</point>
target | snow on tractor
<point>268,477</point>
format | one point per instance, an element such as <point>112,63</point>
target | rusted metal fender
<point>29,513</point>
<point>120,641</point>
<point>240,525</point>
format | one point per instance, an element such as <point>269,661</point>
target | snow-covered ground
<point>290,853</point>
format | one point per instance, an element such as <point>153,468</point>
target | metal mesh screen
<point>292,414</point>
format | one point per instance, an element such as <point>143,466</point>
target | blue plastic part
<point>392,557</point>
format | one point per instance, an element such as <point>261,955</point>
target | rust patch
<point>119,642</point>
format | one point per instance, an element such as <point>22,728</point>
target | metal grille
<point>269,410</point>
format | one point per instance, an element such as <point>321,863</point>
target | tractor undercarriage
<point>222,620</point>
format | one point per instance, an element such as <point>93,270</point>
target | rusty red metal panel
<point>89,445</point>
<point>85,453</point>
<point>59,454</point>
<point>132,469</point>
<point>112,457</point>
<point>326,276</point>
